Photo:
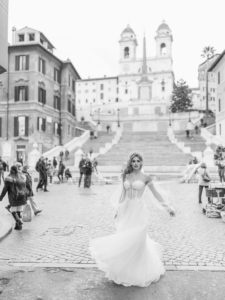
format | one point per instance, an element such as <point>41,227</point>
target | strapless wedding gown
<point>129,257</point>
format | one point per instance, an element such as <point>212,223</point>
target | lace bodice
<point>134,189</point>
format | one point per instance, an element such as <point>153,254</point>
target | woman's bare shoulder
<point>147,178</point>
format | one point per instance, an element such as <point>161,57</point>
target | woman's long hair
<point>129,169</point>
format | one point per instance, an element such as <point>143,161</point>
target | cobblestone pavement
<point>72,215</point>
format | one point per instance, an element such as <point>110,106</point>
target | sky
<point>88,31</point>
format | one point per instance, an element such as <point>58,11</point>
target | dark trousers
<point>43,181</point>
<point>87,180</point>
<point>200,189</point>
<point>221,172</point>
<point>81,175</point>
<point>60,176</point>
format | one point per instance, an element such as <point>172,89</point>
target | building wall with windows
<point>218,71</point>
<point>3,35</point>
<point>94,94</point>
<point>196,99</point>
<point>40,85</point>
<point>211,84</point>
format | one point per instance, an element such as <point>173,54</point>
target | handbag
<point>205,177</point>
<point>27,213</point>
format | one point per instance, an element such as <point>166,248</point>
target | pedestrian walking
<point>61,154</point>
<point>220,162</point>
<point>203,180</point>
<point>129,257</point>
<point>15,186</point>
<point>43,178</point>
<point>67,153</point>
<point>87,173</point>
<point>30,194</point>
<point>50,171</point>
<point>81,168</point>
<point>189,128</point>
<point>54,162</point>
<point>61,171</point>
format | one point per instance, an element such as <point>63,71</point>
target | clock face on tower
<point>126,67</point>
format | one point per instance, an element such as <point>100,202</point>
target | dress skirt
<point>129,257</point>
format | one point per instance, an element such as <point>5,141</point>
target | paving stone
<point>71,217</point>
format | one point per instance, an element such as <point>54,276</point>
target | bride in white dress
<point>129,257</point>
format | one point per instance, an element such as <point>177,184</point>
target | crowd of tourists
<point>18,183</point>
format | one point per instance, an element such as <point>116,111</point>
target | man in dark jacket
<point>87,173</point>
<point>61,171</point>
<point>43,178</point>
<point>81,168</point>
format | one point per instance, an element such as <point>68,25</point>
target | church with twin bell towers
<point>143,85</point>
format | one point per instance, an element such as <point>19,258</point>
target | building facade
<point>211,84</point>
<point>119,91</point>
<point>218,71</point>
<point>3,35</point>
<point>40,104</point>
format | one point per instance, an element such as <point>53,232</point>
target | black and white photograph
<point>112,150</point>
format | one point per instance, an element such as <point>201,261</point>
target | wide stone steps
<point>155,147</point>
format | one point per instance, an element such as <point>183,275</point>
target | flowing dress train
<point>129,257</point>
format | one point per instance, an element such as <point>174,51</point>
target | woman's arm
<point>159,197</point>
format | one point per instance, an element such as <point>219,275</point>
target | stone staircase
<point>94,144</point>
<point>195,142</point>
<point>155,147</point>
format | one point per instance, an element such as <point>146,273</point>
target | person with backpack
<point>15,186</point>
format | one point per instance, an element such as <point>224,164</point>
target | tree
<point>181,97</point>
<point>207,53</point>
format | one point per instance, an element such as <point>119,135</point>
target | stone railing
<point>181,145</point>
<point>211,138</point>
<point>108,146</point>
<point>76,142</point>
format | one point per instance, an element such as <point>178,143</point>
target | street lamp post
<point>99,116</point>
<point>170,118</point>
<point>118,117</point>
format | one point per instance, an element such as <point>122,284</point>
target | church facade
<point>123,90</point>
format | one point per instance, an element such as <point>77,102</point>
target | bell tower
<point>128,44</point>
<point>164,41</point>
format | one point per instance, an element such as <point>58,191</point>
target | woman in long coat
<point>15,186</point>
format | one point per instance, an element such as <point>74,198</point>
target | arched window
<point>126,52</point>
<point>163,50</point>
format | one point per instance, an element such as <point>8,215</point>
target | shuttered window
<point>16,126</point>
<point>0,127</point>
<point>22,62</point>
<point>42,95</point>
<point>21,126</point>
<point>21,93</point>
<point>41,124</point>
